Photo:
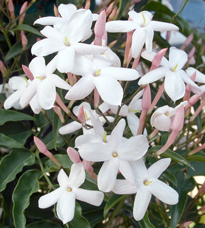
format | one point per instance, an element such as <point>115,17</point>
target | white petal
<point>29,92</point>
<point>63,179</point>
<point>163,26</point>
<point>118,73</point>
<point>161,121</point>
<point>69,128</point>
<point>142,19</point>
<point>50,198</point>
<point>107,175</point>
<point>156,169</point>
<point>92,197</point>
<point>37,66</point>
<point>149,39</point>
<point>46,94</point>
<point>177,58</point>
<point>138,40</point>
<point>116,136</point>
<point>133,123</point>
<point>52,33</point>
<point>46,47</point>
<point>120,26</point>
<point>89,138</point>
<point>153,76</point>
<point>17,82</point>
<point>141,203</point>
<point>126,171</point>
<point>65,59</point>
<point>140,171</point>
<point>163,192</point>
<point>48,20</point>
<point>10,101</point>
<point>109,89</point>
<point>88,49</point>
<point>66,206</point>
<point>174,85</point>
<point>77,175</point>
<point>95,152</point>
<point>86,107</point>
<point>133,148</point>
<point>35,106</point>
<point>199,76</point>
<point>59,82</point>
<point>124,187</point>
<point>81,89</point>
<point>67,10</point>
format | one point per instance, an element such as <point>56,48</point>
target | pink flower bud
<point>55,10</point>
<point>113,14</point>
<point>88,167</point>
<point>157,59</point>
<point>11,9</point>
<point>24,40</point>
<point>186,224</point>
<point>202,190</point>
<point>87,5</point>
<point>99,28</point>
<point>59,113</point>
<point>109,8</point>
<point>81,116</point>
<point>71,78</point>
<point>168,35</point>
<point>42,148</point>
<point>146,99</point>
<point>73,155</point>
<point>112,43</point>
<point>27,72</point>
<point>61,104</point>
<point>96,98</point>
<point>178,121</point>
<point>187,41</point>
<point>3,69</point>
<point>22,12</point>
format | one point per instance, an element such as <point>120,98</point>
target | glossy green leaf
<point>13,163</point>
<point>28,28</point>
<point>123,4</point>
<point>169,176</point>
<point>184,186</point>
<point>196,157</point>
<point>145,223</point>
<point>26,186</point>
<point>16,131</point>
<point>44,224</point>
<point>5,141</point>
<point>199,169</point>
<point>79,220</point>
<point>9,115</point>
<point>112,201</point>
<point>64,161</point>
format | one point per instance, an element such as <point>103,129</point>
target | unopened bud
<point>55,10</point>
<point>22,12</point>
<point>87,5</point>
<point>59,113</point>
<point>24,40</point>
<point>11,9</point>
<point>3,69</point>
<point>73,155</point>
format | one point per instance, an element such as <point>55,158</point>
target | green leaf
<point>64,161</point>
<point>122,6</point>
<point>26,186</point>
<point>9,142</point>
<point>79,220</point>
<point>145,223</point>
<point>28,28</point>
<point>56,125</point>
<point>196,157</point>
<point>112,201</point>
<point>16,131</point>
<point>173,155</point>
<point>44,224</point>
<point>12,164</point>
<point>184,186</point>
<point>9,115</point>
<point>169,176</point>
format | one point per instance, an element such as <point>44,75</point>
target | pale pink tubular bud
<point>81,116</point>
<point>188,88</point>
<point>187,41</point>
<point>146,99</point>
<point>87,5</point>
<point>73,155</point>
<point>23,12</point>
<point>27,72</point>
<point>192,101</point>
<point>191,53</point>
<point>109,8</point>
<point>24,40</point>
<point>11,9</point>
<point>96,98</point>
<point>104,38</point>
<point>42,148</point>
<point>135,62</point>
<point>128,44</point>
<point>3,69</point>
<point>99,28</point>
<point>88,167</point>
<point>186,224</point>
<point>55,10</point>
<point>168,35</point>
<point>113,14</point>
<point>57,110</point>
<point>157,59</point>
<point>112,43</point>
<point>177,126</point>
<point>61,104</point>
<point>71,78</point>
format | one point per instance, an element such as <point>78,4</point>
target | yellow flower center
<point>69,189</point>
<point>40,78</point>
<point>98,72</point>
<point>66,41</point>
<point>147,182</point>
<point>132,110</point>
<point>105,135</point>
<point>114,154</point>
<point>175,67</point>
<point>25,79</point>
<point>144,20</point>
<point>86,116</point>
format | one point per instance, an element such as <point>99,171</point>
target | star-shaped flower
<point>68,192</point>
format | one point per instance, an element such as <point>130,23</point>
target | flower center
<point>144,20</point>
<point>147,182</point>
<point>175,67</point>
<point>98,72</point>
<point>132,110</point>
<point>69,189</point>
<point>66,41</point>
<point>40,78</point>
<point>105,135</point>
<point>114,154</point>
<point>25,79</point>
<point>167,113</point>
<point>86,116</point>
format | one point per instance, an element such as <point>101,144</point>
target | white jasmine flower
<point>68,192</point>
<point>175,76</point>
<point>146,184</point>
<point>116,154</point>
<point>144,30</point>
